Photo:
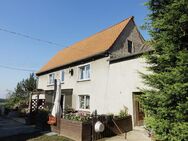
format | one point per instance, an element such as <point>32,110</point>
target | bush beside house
<point>166,102</point>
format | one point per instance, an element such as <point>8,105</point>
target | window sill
<point>84,110</point>
<point>48,85</point>
<point>62,82</point>
<point>81,80</point>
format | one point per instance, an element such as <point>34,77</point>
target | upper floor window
<point>51,78</point>
<point>130,46</point>
<point>84,72</point>
<point>84,102</point>
<point>62,76</point>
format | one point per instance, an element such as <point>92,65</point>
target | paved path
<point>9,127</point>
<point>138,134</point>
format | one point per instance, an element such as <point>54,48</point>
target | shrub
<point>42,119</point>
<point>123,113</point>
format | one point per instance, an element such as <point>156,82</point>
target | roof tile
<point>95,44</point>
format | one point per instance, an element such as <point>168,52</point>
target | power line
<point>39,40</point>
<point>16,68</point>
<point>30,37</point>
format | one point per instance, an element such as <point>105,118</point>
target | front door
<point>138,110</point>
<point>66,99</point>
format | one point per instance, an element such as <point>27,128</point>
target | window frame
<point>49,82</point>
<point>79,72</point>
<point>85,102</point>
<point>128,48</point>
<point>62,71</point>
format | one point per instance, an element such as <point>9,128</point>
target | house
<point>100,72</point>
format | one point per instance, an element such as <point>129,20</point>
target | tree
<point>166,100</point>
<point>20,95</point>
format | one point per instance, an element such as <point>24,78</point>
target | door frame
<point>138,114</point>
<point>63,102</point>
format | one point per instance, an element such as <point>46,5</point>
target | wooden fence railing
<point>112,126</point>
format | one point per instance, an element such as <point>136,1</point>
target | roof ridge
<point>114,25</point>
<point>131,17</point>
<point>89,46</point>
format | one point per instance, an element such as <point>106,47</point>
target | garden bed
<point>76,130</point>
<point>83,131</point>
<point>81,126</point>
<point>121,125</point>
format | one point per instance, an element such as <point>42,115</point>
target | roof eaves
<point>60,66</point>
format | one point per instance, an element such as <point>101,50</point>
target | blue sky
<point>60,21</point>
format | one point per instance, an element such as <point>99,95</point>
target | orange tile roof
<point>93,45</point>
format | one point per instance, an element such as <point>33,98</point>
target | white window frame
<point>84,109</point>
<point>62,71</point>
<point>49,78</point>
<point>79,72</point>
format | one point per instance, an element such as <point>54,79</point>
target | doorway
<point>138,112</point>
<point>62,101</point>
<point>66,99</point>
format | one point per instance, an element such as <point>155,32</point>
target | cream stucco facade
<point>114,73</point>
<point>110,87</point>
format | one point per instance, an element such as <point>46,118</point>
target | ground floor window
<point>84,102</point>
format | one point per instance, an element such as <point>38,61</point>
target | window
<point>51,78</point>
<point>84,102</point>
<point>84,72</point>
<point>62,76</point>
<point>130,46</point>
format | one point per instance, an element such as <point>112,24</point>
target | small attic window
<point>130,46</point>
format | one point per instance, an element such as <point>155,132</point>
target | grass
<point>34,137</point>
<point>50,138</point>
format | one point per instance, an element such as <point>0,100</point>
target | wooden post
<point>125,135</point>
<point>30,102</point>
<point>55,88</point>
<point>37,101</point>
<point>93,128</point>
<point>117,126</point>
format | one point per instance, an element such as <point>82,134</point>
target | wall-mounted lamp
<point>71,71</point>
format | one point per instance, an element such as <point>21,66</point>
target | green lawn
<point>34,137</point>
<point>49,138</point>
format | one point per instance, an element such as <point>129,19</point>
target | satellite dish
<point>99,127</point>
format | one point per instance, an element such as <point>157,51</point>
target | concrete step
<point>138,134</point>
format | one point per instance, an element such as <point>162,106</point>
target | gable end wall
<point>120,47</point>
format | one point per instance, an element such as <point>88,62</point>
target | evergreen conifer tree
<point>166,99</point>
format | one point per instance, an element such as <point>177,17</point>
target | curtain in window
<point>51,78</point>
<point>62,75</point>
<point>82,73</point>
<point>84,102</point>
<point>87,72</point>
<point>81,102</point>
<point>87,102</point>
